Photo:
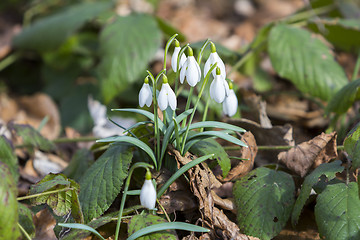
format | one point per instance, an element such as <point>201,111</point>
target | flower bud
<point>148,192</point>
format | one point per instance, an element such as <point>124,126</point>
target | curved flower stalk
<point>190,70</point>
<point>175,56</point>
<point>148,192</point>
<point>219,87</point>
<point>145,95</point>
<point>167,96</point>
<point>214,58</point>
<point>230,103</point>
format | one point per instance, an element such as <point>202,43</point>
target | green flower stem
<point>206,79</point>
<point>43,194</point>
<point>205,111</point>
<point>244,58</point>
<point>167,48</point>
<point>9,60</point>
<point>357,67</point>
<point>24,231</point>
<point>163,209</point>
<point>188,104</point>
<point>202,51</point>
<point>127,183</point>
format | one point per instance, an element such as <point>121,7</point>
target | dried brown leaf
<point>302,157</point>
<point>44,225</point>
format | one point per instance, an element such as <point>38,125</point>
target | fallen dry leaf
<point>44,225</point>
<point>318,150</point>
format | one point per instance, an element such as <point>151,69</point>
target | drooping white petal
<point>162,99</point>
<point>145,95</point>
<point>148,195</point>
<point>171,97</point>
<point>214,58</point>
<point>226,87</point>
<point>183,71</point>
<point>182,60</point>
<point>175,57</point>
<point>192,72</point>
<point>217,89</point>
<point>230,104</point>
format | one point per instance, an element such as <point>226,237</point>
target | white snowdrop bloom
<point>167,96</point>
<point>174,58</point>
<point>230,103</point>
<point>190,70</point>
<point>219,88</point>
<point>214,58</point>
<point>148,193</point>
<point>145,94</point>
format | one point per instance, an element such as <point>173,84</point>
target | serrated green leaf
<point>32,138</point>
<point>26,219</point>
<point>210,145</point>
<point>352,145</point>
<point>81,160</point>
<point>337,212</point>
<point>344,98</point>
<point>343,33</point>
<point>327,169</point>
<point>8,205</point>
<point>139,222</point>
<point>126,47</point>
<point>305,60</point>
<point>65,198</point>
<point>7,156</point>
<point>50,32</point>
<point>102,182</point>
<point>264,199</point>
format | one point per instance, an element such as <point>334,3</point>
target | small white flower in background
<point>174,58</point>
<point>167,96</point>
<point>219,87</point>
<point>190,70</point>
<point>145,94</point>
<point>148,192</point>
<point>214,58</point>
<point>230,103</point>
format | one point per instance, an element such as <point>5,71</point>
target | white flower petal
<point>226,87</point>
<point>192,74</point>
<point>148,195</point>
<point>171,97</point>
<point>182,60</point>
<point>162,99</point>
<point>145,96</point>
<point>207,66</point>
<point>174,58</point>
<point>220,64</point>
<point>217,90</point>
<point>183,71</point>
<point>230,104</point>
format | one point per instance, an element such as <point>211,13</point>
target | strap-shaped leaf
<point>344,98</point>
<point>102,182</point>
<point>264,199</point>
<point>214,124</point>
<point>337,212</point>
<point>306,61</point>
<point>134,141</point>
<point>327,169</point>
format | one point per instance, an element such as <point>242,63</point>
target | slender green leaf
<point>344,98</point>
<point>126,47</point>
<point>352,146</point>
<point>215,124</point>
<point>337,212</point>
<point>210,145</point>
<point>82,227</point>
<point>50,32</point>
<point>305,60</point>
<point>134,141</point>
<point>8,205</point>
<point>7,156</point>
<point>264,199</point>
<point>180,172</point>
<point>102,182</point>
<point>327,169</point>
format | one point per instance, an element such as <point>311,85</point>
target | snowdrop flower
<point>230,103</point>
<point>219,87</point>
<point>174,58</point>
<point>190,70</point>
<point>148,192</point>
<point>214,58</point>
<point>167,96</point>
<point>145,95</point>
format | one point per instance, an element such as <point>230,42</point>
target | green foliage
<point>264,199</point>
<point>337,212</point>
<point>327,169</point>
<point>50,32</point>
<point>8,205</point>
<point>81,227</point>
<point>352,146</point>
<point>7,156</point>
<point>125,52</point>
<point>305,60</point>
<point>139,222</point>
<point>80,161</point>
<point>102,182</point>
<point>60,193</point>
<point>344,98</point>
<point>26,219</point>
<point>208,146</point>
